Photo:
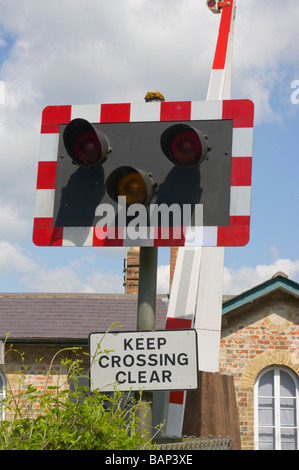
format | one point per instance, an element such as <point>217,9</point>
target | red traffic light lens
<point>87,149</point>
<point>186,148</point>
<point>86,145</point>
<point>214,6</point>
<point>184,145</point>
<point>132,186</point>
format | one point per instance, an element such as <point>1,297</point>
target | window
<point>276,409</point>
<point>2,395</point>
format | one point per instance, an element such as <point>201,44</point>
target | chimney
<point>131,270</point>
<point>173,256</point>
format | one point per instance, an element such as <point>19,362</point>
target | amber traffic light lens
<point>136,185</point>
<point>132,186</point>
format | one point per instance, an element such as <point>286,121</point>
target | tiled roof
<point>69,317</point>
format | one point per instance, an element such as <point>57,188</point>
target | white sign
<point>144,360</point>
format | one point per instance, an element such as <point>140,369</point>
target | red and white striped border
<point>240,111</point>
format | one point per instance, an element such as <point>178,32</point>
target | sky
<point>94,51</point>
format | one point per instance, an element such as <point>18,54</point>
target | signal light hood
<point>184,145</point>
<point>86,145</point>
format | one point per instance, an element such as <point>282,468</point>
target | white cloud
<point>81,275</point>
<point>13,259</point>
<point>236,281</point>
<point>86,51</point>
<point>66,279</point>
<point>104,282</point>
<point>61,279</point>
<point>239,280</point>
<point>13,225</point>
<point>163,279</point>
<point>263,53</point>
<point>79,51</point>
<point>37,276</point>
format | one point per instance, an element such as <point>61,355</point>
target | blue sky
<point>85,52</point>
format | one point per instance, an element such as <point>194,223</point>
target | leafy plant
<point>67,416</point>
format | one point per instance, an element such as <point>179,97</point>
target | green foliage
<point>61,417</point>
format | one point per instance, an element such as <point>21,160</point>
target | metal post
<point>146,313</point>
<point>147,286</point>
<point>146,320</point>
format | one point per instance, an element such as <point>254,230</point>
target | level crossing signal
<point>214,5</point>
<point>145,174</point>
<point>88,147</point>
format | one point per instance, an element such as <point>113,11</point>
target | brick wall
<point>253,338</point>
<point>173,256</point>
<point>131,269</point>
<point>30,364</point>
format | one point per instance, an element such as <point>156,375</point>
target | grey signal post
<point>146,319</point>
<point>146,315</point>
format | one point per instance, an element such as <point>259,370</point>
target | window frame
<point>277,419</point>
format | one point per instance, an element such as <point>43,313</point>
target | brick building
<point>42,329</point>
<point>259,349</point>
